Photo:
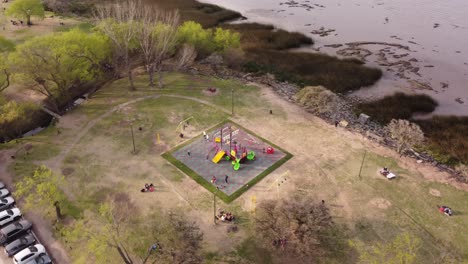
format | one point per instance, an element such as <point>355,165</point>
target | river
<point>421,45</point>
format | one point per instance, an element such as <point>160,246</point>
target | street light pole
<point>232,101</point>
<point>133,138</point>
<point>214,205</point>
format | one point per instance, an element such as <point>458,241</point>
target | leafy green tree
<point>192,33</point>
<point>115,232</point>
<point>225,38</point>
<point>24,9</point>
<point>42,190</point>
<point>59,62</point>
<point>207,41</point>
<point>402,250</point>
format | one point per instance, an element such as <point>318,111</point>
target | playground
<point>228,150</point>
<point>93,147</point>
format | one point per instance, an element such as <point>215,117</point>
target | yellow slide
<point>218,156</point>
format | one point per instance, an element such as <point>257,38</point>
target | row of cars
<point>16,234</point>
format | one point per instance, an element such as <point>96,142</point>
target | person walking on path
<point>188,153</point>
<point>226,178</point>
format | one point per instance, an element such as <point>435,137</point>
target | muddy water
<point>421,45</point>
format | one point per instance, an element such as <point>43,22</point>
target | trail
<point>57,161</point>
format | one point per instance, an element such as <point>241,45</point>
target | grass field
<point>92,147</point>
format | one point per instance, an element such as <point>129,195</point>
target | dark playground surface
<point>202,152</point>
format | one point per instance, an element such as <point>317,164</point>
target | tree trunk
<point>7,81</point>
<point>126,259</point>
<point>160,78</point>
<point>129,72</point>
<point>58,211</point>
<point>151,75</point>
<point>28,20</point>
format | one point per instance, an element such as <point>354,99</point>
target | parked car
<point>9,215</point>
<point>28,254</point>
<point>19,244</point>
<point>6,202</point>
<point>14,230</point>
<point>4,192</point>
<point>42,259</point>
<point>2,185</point>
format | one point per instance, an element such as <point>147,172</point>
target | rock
<point>214,59</point>
<point>363,118</point>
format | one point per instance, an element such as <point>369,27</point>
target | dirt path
<point>56,162</point>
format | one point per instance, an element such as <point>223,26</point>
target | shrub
<point>265,36</point>
<point>312,69</point>
<point>15,118</point>
<point>447,134</point>
<point>397,106</point>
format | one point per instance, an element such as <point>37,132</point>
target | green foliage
<point>41,190</point>
<point>6,45</point>
<point>59,61</point>
<point>402,250</point>
<point>24,9</point>
<point>13,115</point>
<point>207,41</point>
<point>225,38</point>
<point>193,33</point>
<point>397,106</point>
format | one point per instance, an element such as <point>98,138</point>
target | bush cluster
<point>313,69</point>
<point>397,106</point>
<point>447,135</point>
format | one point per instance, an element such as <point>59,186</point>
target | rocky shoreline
<point>213,66</point>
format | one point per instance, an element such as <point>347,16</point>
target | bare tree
<point>186,56</point>
<point>157,35</point>
<point>118,22</point>
<point>406,133</point>
<point>296,229</point>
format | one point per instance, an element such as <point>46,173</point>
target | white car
<point>2,185</point>
<point>6,216</point>
<point>4,192</point>
<point>28,254</point>
<point>6,202</point>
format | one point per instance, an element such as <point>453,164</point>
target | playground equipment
<point>184,123</point>
<point>270,150</point>
<point>218,156</point>
<point>237,154</point>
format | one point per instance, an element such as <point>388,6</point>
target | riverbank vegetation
<point>397,106</point>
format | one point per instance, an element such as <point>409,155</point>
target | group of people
<point>148,188</point>
<point>225,216</point>
<point>445,210</point>
<point>15,23</point>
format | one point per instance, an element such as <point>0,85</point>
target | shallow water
<point>435,33</point>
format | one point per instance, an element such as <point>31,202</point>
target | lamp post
<point>214,204</point>
<point>133,139</point>
<point>232,101</point>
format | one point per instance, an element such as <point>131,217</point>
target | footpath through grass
<point>325,163</point>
